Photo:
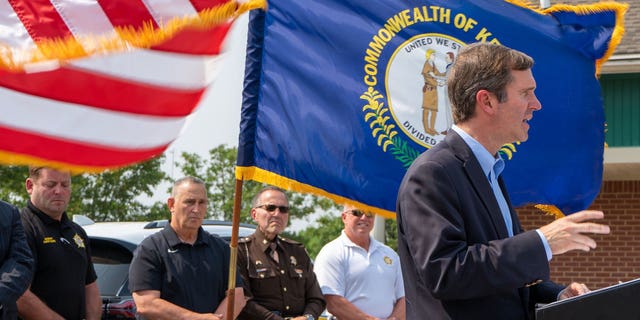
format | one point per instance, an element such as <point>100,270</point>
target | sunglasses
<point>360,213</point>
<point>273,207</point>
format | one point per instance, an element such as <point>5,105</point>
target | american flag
<point>79,104</point>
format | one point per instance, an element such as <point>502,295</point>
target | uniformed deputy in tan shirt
<point>277,272</point>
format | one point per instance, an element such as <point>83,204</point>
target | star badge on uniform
<point>78,240</point>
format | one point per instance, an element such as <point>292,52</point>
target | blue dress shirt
<point>492,166</point>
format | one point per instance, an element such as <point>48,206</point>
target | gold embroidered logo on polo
<point>78,240</point>
<point>48,240</point>
<point>387,260</point>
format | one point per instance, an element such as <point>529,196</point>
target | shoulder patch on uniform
<point>290,241</point>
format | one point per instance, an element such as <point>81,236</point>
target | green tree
<point>218,171</point>
<point>158,211</point>
<point>107,196</point>
<point>115,195</point>
<point>12,188</point>
<point>391,233</point>
<point>328,227</point>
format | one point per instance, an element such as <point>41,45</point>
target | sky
<point>217,119</point>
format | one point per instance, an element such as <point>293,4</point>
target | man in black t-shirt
<point>182,272</point>
<point>64,283</point>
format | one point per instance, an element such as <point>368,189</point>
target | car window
<point>111,261</point>
<point>111,278</point>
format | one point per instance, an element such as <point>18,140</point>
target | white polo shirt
<point>372,281</point>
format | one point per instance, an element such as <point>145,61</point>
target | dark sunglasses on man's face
<point>359,213</point>
<point>273,207</point>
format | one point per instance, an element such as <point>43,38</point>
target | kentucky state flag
<point>340,95</point>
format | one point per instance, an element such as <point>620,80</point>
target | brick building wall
<point>617,257</point>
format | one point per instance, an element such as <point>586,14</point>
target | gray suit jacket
<point>457,259</point>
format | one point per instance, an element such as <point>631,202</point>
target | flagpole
<point>233,244</point>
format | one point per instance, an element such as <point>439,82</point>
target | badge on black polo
<point>78,240</point>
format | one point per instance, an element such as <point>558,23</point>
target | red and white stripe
<point>103,111</point>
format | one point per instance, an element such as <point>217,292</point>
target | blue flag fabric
<point>339,94</point>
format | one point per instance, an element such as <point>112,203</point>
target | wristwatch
<point>310,317</point>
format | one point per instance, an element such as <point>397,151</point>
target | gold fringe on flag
<point>10,158</point>
<point>584,9</point>
<point>59,50</point>
<point>550,210</point>
<point>264,176</point>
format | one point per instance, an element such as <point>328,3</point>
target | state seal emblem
<point>417,86</point>
<point>413,111</point>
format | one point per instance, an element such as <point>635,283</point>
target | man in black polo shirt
<point>182,272</point>
<point>64,283</point>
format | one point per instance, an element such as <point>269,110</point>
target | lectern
<point>621,301</point>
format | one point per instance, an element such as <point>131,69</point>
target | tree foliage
<point>391,233</point>
<point>326,228</point>
<point>329,226</point>
<point>108,196</point>
<point>218,171</point>
<point>12,188</point>
<point>116,195</point>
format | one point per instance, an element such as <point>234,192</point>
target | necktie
<point>274,252</point>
